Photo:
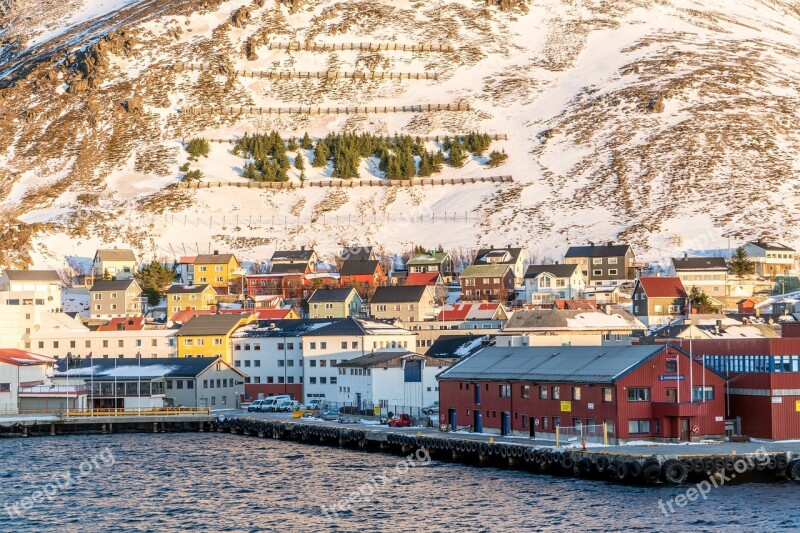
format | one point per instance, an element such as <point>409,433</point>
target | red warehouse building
<point>763,389</point>
<point>641,392</point>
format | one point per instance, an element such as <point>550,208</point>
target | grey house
<point>115,298</point>
<point>132,383</point>
<point>603,264</point>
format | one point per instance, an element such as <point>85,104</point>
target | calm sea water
<point>220,482</point>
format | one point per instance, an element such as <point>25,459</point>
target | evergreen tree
<point>457,156</point>
<point>198,147</point>
<point>299,164</point>
<point>497,158</point>
<point>154,279</point>
<point>700,302</point>
<point>437,161</point>
<point>425,169</point>
<point>321,154</point>
<point>740,264</point>
<point>306,143</point>
<point>292,145</point>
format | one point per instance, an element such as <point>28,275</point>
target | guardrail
<point>424,138</point>
<point>342,183</point>
<point>165,411</point>
<point>355,110</point>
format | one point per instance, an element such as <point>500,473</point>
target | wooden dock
<point>724,463</point>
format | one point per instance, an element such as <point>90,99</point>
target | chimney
<point>216,252</point>
<point>303,248</point>
<point>610,243</point>
<point>491,246</point>
<point>685,256</point>
<point>607,309</point>
<point>591,244</point>
<point>556,262</point>
<point>717,326</point>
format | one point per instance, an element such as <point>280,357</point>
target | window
<point>312,381</point>
<point>290,362</point>
<point>189,384</point>
<point>505,391</point>
<point>312,363</point>
<point>323,345</point>
<point>545,422</point>
<point>638,426</point>
<point>290,380</point>
<point>672,366</point>
<point>323,362</point>
<point>608,394</point>
<point>247,362</point>
<point>556,393</point>
<point>5,387</point>
<point>524,421</point>
<point>597,261</point>
<point>105,343</point>
<point>280,346</point>
<point>697,393</point>
<point>344,345</point>
<point>87,344</point>
<point>612,272</point>
<point>597,272</point>
<point>312,346</point>
<point>333,380</point>
<point>640,394</point>
<point>179,384</point>
<point>289,346</point>
<point>169,384</point>
<point>556,421</point>
<point>323,380</point>
<point>576,393</point>
<point>354,345</point>
<point>612,260</point>
<point>237,364</point>
<point>526,393</point>
<point>257,362</point>
<point>542,392</point>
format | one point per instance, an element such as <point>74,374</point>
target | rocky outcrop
<point>240,17</point>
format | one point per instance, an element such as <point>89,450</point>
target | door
<point>478,423</point>
<point>672,395</point>
<point>532,421</point>
<point>453,419</point>
<point>685,429</point>
<point>505,421</point>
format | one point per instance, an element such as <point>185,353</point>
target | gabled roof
<point>353,267</point>
<point>472,311</point>
<point>598,250</point>
<point>576,304</point>
<point>292,255</point>
<point>182,317</point>
<point>356,327</point>
<point>570,364</point>
<point>479,271</point>
<point>187,259</point>
<point>289,268</point>
<point>663,287</point>
<point>423,278</point>
<point>391,360</point>
<point>400,293</point>
<point>33,275</point>
<point>544,320</point>
<point>428,259</point>
<point>15,357</point>
<point>268,313</point>
<point>771,246</point>
<point>699,263</point>
<point>210,325</point>
<point>485,255</point>
<point>133,368</point>
<point>128,324</point>
<point>214,259</point>
<point>281,328</point>
<point>188,289</point>
<point>453,346</point>
<point>106,285</point>
<point>558,271</point>
<point>332,295</point>
<point>357,253</point>
<point>115,254</point>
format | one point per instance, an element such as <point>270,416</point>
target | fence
<point>371,47</point>
<point>375,410</point>
<point>309,75</point>
<point>424,138</point>
<point>240,110</point>
<point>574,435</point>
<point>342,183</point>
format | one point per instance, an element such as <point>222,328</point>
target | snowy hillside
<point>670,124</point>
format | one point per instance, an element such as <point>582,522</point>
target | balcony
<point>30,390</point>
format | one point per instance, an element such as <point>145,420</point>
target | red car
<point>400,421</point>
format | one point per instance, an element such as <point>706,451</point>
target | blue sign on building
<point>671,377</point>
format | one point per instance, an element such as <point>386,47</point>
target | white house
<point>115,263</point>
<point>709,274</point>
<point>25,384</point>
<point>40,288</point>
<point>394,381</point>
<point>771,258</point>
<point>546,283</point>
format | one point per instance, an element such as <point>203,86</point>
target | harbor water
<point>223,482</point>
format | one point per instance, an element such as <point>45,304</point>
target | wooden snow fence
<point>339,183</point>
<point>348,110</point>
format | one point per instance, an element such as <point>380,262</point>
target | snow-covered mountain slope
<point>671,124</point>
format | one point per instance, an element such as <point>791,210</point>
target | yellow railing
<point>151,411</point>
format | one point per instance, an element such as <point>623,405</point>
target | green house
<point>334,303</point>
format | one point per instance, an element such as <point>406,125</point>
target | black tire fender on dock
<point>634,469</point>
<point>621,471</point>
<point>585,466</point>
<point>651,472</point>
<point>729,464</point>
<point>567,462</point>
<point>601,464</point>
<point>772,463</point>
<point>674,471</point>
<point>698,465</point>
<point>740,465</point>
<point>793,470</point>
<point>719,464</point>
<point>781,462</point>
<point>527,456</point>
<point>473,447</point>
<point>484,448</point>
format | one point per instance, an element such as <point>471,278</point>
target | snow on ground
<point>88,10</point>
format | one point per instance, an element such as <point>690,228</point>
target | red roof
<point>458,312</point>
<point>128,324</point>
<point>271,314</point>
<point>663,287</point>
<point>187,314</point>
<point>422,278</point>
<point>187,259</point>
<point>15,357</point>
<point>576,304</point>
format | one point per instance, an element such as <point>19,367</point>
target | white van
<point>271,403</point>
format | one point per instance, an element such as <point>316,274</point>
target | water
<point>221,482</point>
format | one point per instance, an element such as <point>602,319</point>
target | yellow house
<point>190,297</point>
<point>221,271</point>
<point>209,335</point>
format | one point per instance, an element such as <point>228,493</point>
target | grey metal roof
<point>565,364</point>
<point>115,254</point>
<point>187,289</point>
<point>105,285</point>
<point>289,268</point>
<point>487,253</point>
<point>33,275</point>
<point>292,255</point>
<point>572,319</point>
<point>699,263</point>
<point>390,359</point>
<point>598,250</point>
<point>398,293</point>
<point>353,267</point>
<point>209,325</point>
<point>132,368</point>
<point>771,246</point>
<point>331,295</point>
<point>559,271</point>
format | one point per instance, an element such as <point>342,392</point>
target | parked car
<point>431,409</point>
<point>270,403</point>
<point>255,406</point>
<point>400,421</point>
<point>316,404</point>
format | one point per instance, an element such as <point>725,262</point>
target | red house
<point>764,382</point>
<point>368,273</point>
<point>640,392</point>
